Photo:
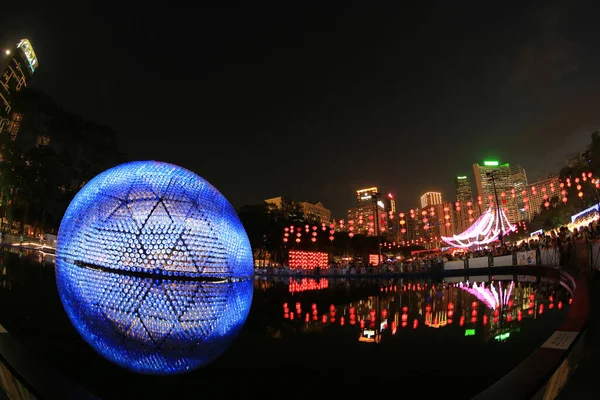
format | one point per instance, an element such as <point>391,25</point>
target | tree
<point>47,158</point>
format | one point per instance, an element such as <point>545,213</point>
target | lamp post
<point>492,176</point>
<point>374,200</point>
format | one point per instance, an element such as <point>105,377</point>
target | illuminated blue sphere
<point>154,268</point>
<point>156,218</point>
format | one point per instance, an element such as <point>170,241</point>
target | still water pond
<point>317,337</point>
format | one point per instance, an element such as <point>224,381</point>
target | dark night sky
<point>316,101</point>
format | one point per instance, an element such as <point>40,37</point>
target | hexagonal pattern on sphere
<point>154,268</point>
<point>157,218</point>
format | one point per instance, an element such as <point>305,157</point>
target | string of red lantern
<point>402,223</point>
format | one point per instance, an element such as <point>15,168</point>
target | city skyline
<point>256,96</point>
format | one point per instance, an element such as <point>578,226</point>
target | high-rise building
<point>431,199</point>
<point>361,217</point>
<point>414,228</point>
<point>493,174</point>
<point>389,203</point>
<point>367,210</point>
<point>364,196</point>
<point>519,181</point>
<point>463,189</point>
<point>17,69</point>
<point>539,193</point>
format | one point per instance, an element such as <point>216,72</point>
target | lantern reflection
<point>425,306</point>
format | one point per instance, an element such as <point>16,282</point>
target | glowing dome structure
<point>153,268</point>
<point>485,230</point>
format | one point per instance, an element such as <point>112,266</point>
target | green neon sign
<point>470,332</point>
<point>461,177</point>
<point>502,336</point>
<point>491,163</point>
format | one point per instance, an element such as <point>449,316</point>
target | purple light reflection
<point>488,296</point>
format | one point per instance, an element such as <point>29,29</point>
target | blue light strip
<point>579,214</point>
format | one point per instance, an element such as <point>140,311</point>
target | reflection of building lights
<point>440,319</point>
<point>373,259</point>
<point>307,284</point>
<point>369,336</point>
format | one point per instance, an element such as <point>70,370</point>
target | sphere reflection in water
<point>153,268</point>
<point>154,326</point>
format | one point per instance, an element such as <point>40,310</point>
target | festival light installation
<point>307,259</point>
<point>483,231</point>
<point>154,268</point>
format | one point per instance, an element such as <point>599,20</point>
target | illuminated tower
<point>365,209</point>
<point>363,196</point>
<point>548,187</point>
<point>431,199</point>
<point>463,189</point>
<point>17,69</point>
<point>519,182</point>
<point>390,208</point>
<point>491,174</point>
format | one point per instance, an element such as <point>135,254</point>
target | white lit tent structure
<point>483,231</point>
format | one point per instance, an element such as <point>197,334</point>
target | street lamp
<point>492,175</point>
<point>374,200</point>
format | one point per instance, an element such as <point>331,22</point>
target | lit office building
<point>431,199</point>
<point>491,174</point>
<point>17,69</point>
<point>364,196</point>
<point>311,212</point>
<point>463,189</point>
<point>390,208</point>
<point>315,212</point>
<point>447,219</point>
<point>390,203</point>
<point>519,181</point>
<point>539,193</point>
<point>363,215</point>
